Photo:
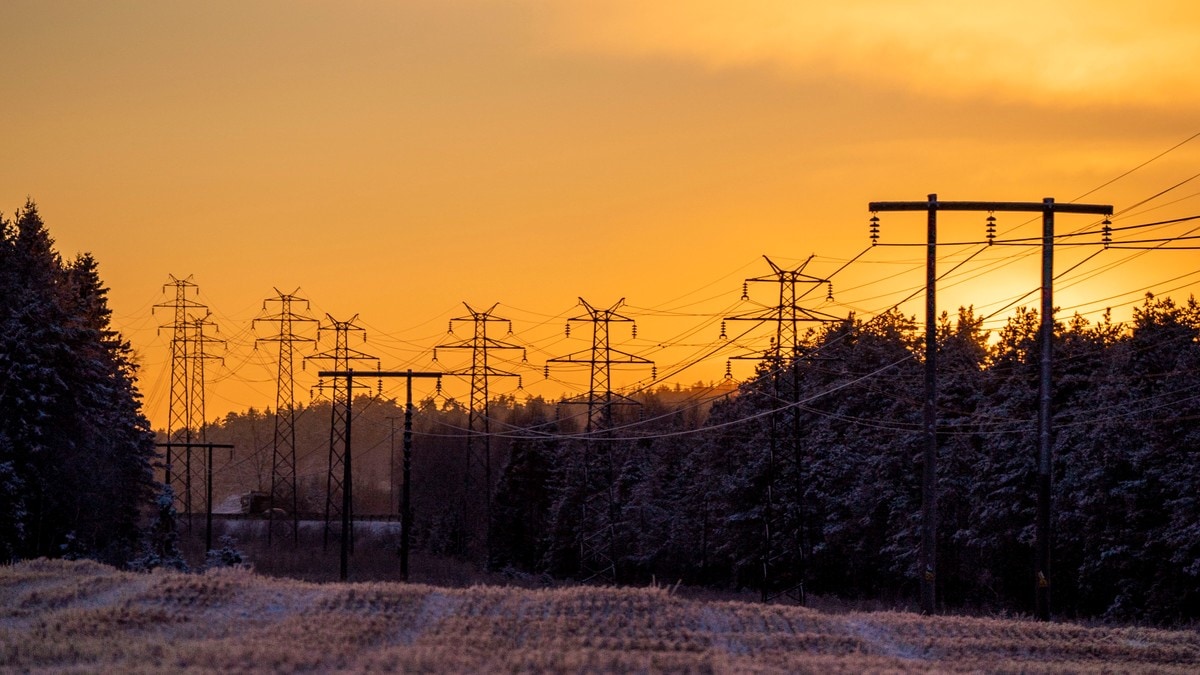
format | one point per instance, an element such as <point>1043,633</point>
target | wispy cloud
<point>1022,50</point>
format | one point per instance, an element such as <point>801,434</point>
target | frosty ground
<point>85,616</point>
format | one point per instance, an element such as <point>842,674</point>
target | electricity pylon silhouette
<point>179,421</point>
<point>785,545</point>
<point>284,494</point>
<point>339,491</point>
<point>199,354</point>
<point>478,467</point>
<point>601,509</point>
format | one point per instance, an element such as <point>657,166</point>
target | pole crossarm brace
<point>1023,207</point>
<point>351,374</point>
<point>586,356</point>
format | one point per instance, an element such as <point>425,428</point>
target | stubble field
<point>59,615</point>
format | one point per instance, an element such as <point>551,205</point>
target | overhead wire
<point>698,357</point>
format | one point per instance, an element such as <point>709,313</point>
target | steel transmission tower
<point>601,508</point>
<point>338,490</point>
<point>179,417</point>
<point>284,494</point>
<point>478,468</point>
<point>197,482</point>
<point>785,547</point>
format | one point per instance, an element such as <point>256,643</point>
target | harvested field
<point>60,615</point>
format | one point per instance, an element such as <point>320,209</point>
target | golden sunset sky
<point>393,159</point>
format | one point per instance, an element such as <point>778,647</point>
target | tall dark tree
<point>963,420</point>
<point>521,506</point>
<point>73,440</point>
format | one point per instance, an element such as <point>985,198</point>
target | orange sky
<point>393,159</point>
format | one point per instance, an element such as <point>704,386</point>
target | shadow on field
<point>375,555</point>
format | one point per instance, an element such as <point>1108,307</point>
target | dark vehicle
<point>256,503</point>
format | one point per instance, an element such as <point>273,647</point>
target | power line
<point>1140,166</point>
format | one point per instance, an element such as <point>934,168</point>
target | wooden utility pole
<point>208,513</point>
<point>928,555</point>
<point>927,559</point>
<point>406,490</point>
<point>392,503</point>
<point>405,504</point>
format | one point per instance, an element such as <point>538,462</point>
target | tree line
<point>690,471</point>
<point>689,468</point>
<point>1127,439</point>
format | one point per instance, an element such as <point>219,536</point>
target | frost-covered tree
<point>160,543</point>
<point>1128,506</point>
<point>865,487</point>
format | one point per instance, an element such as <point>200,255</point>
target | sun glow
<point>395,159</point>
<point>1024,50</point>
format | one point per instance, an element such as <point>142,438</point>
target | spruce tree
<point>75,449</point>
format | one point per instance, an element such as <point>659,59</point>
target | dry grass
<point>86,617</point>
